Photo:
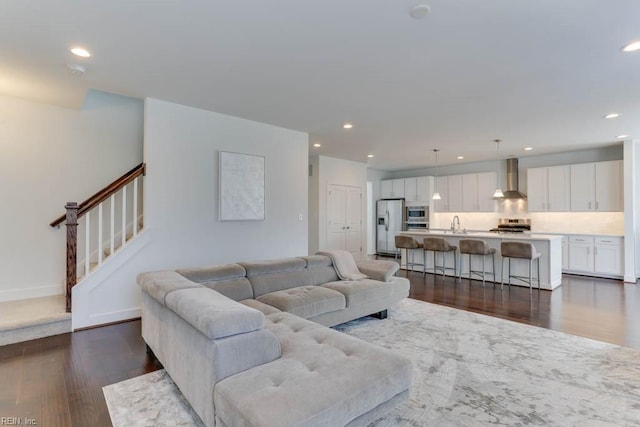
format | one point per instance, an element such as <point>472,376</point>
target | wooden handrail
<point>103,194</point>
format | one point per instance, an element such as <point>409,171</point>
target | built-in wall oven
<point>417,218</point>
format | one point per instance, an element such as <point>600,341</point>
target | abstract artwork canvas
<point>241,192</point>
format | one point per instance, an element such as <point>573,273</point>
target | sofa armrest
<point>378,269</point>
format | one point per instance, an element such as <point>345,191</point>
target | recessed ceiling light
<point>622,136</point>
<point>80,51</point>
<point>528,148</point>
<point>317,145</point>
<point>631,47</point>
<point>612,115</point>
<point>371,156</point>
<point>347,125</point>
<point>460,157</point>
<point>419,11</point>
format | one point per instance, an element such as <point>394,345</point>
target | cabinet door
<point>565,253</point>
<point>537,189</point>
<point>608,259</point>
<point>411,189</point>
<point>386,188</point>
<point>608,186</point>
<point>581,257</point>
<point>582,191</point>
<point>455,193</point>
<point>398,188</point>
<point>558,188</point>
<point>487,182</point>
<point>441,187</point>
<point>423,189</point>
<point>469,192</point>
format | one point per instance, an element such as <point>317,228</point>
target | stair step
<point>34,318</point>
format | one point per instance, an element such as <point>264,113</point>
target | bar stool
<point>408,243</point>
<point>520,250</point>
<point>478,247</point>
<point>438,244</point>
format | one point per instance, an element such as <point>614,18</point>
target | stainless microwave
<point>417,213</point>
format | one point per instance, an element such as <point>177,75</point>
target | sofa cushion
<point>213,314</point>
<point>305,301</point>
<point>227,279</point>
<point>360,291</point>
<point>325,377</point>
<point>320,268</point>
<point>277,275</point>
<point>159,284</point>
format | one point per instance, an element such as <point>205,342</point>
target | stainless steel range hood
<point>512,181</point>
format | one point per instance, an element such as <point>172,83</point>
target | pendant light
<point>436,195</point>
<point>498,194</point>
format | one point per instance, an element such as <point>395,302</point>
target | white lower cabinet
<point>594,255</point>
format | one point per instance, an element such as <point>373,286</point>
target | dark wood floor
<point>57,381</point>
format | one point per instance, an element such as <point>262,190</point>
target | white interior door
<point>336,217</point>
<point>353,214</point>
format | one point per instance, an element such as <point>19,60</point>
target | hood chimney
<point>512,181</point>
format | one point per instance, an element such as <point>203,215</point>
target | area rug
<point>469,370</point>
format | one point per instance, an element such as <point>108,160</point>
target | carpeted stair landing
<point>34,318</point>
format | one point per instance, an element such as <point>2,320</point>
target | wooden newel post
<point>72,248</point>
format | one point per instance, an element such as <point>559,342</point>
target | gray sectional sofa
<point>247,343</point>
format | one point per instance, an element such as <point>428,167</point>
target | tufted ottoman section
<point>323,378</point>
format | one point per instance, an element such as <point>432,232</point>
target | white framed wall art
<point>241,187</point>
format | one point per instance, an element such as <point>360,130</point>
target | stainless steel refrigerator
<point>389,221</point>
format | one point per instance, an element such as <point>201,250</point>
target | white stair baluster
<point>87,242</point>
<point>124,215</point>
<point>113,224</point>
<point>135,207</point>
<point>100,249</point>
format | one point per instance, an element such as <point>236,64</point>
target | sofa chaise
<point>248,343</point>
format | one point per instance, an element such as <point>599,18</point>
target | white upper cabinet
<point>442,187</point>
<point>392,188</point>
<point>609,186</point>
<point>487,182</point>
<point>411,189</point>
<point>466,193</point>
<point>597,187</point>
<point>548,189</point>
<point>423,185</point>
<point>455,193</point>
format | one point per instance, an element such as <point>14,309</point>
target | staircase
<point>29,319</point>
<point>98,229</point>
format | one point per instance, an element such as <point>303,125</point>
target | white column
<point>631,206</point>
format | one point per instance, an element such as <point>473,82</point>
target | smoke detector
<point>76,69</point>
<point>419,11</point>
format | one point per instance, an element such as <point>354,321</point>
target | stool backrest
<point>518,250</point>
<point>436,244</point>
<point>407,242</point>
<point>471,246</point>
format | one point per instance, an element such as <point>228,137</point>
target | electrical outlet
<point>300,217</point>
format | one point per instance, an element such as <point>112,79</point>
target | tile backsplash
<point>541,222</point>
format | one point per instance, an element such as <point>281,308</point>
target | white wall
<point>341,172</point>
<point>181,147</point>
<point>52,155</point>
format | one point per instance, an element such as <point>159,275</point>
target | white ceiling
<point>538,73</point>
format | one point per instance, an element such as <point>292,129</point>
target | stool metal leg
<point>483,257</point>
<point>502,274</point>
<point>530,277</point>
<point>538,262</point>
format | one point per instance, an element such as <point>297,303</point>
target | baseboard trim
<point>28,293</point>
<point>102,319</point>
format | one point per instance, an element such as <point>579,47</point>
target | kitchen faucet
<point>455,224</point>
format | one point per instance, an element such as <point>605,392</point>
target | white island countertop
<point>548,245</point>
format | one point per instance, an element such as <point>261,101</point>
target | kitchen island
<point>549,246</point>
